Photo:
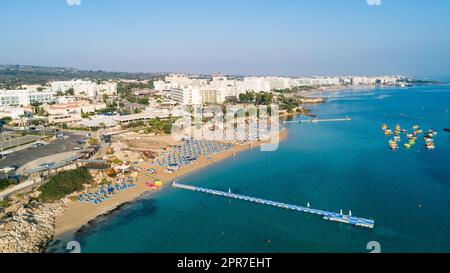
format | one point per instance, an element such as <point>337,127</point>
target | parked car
<point>77,148</point>
<point>37,145</point>
<point>47,165</point>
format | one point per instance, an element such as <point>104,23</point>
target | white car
<point>37,145</point>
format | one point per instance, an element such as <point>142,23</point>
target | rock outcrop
<point>29,230</point>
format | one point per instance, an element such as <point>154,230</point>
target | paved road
<point>22,157</point>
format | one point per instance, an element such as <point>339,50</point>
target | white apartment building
<point>319,81</point>
<point>84,88</point>
<point>211,96</point>
<point>74,107</point>
<point>71,112</point>
<point>222,82</point>
<point>256,84</point>
<point>363,81</point>
<point>11,111</point>
<point>186,96</point>
<point>24,97</point>
<point>265,84</point>
<point>183,81</point>
<point>65,99</point>
<point>162,85</point>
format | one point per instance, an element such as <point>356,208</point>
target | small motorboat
<point>393,144</point>
<point>447,130</point>
<point>430,147</point>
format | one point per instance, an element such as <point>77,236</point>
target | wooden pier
<point>319,120</point>
<point>327,215</point>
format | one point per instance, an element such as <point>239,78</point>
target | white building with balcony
<point>25,97</point>
<point>186,96</point>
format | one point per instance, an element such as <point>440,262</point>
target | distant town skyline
<point>280,38</point>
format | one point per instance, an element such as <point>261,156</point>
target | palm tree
<point>93,141</point>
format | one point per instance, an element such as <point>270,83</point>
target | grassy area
<point>64,184</point>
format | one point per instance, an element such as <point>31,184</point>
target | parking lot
<point>22,157</point>
<point>15,141</point>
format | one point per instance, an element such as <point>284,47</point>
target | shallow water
<point>342,165</point>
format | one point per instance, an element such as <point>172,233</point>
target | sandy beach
<point>79,214</point>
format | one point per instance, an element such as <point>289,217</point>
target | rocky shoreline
<point>30,228</point>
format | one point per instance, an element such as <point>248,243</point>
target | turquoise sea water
<point>343,165</point>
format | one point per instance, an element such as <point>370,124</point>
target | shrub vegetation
<point>64,184</point>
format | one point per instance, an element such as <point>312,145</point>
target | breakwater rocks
<point>29,230</point>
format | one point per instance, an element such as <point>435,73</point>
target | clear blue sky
<point>258,37</point>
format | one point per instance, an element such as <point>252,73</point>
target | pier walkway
<point>319,120</point>
<point>331,216</point>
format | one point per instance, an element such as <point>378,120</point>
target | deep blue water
<point>343,165</point>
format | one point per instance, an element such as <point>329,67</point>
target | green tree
<point>4,183</point>
<point>167,128</point>
<point>70,92</point>
<point>143,101</point>
<point>5,120</point>
<point>93,141</point>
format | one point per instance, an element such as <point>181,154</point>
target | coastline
<point>78,215</point>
